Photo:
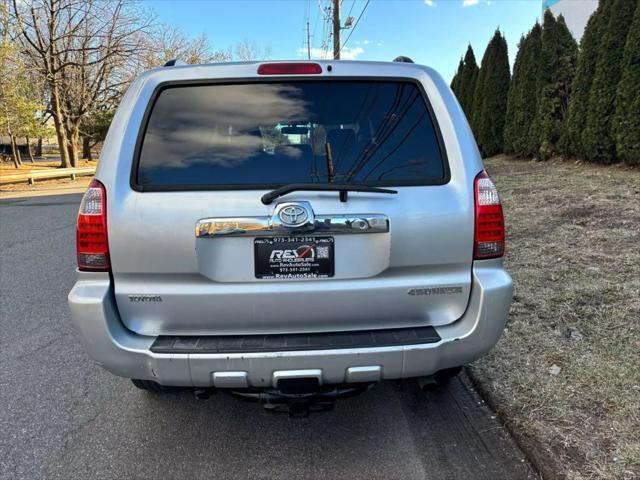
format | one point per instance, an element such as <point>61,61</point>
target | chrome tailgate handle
<point>266,226</point>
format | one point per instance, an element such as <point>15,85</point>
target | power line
<point>315,22</point>
<point>306,38</point>
<point>355,25</point>
<point>351,9</point>
<point>306,16</point>
<point>328,42</point>
<point>326,30</point>
<point>323,36</point>
<point>304,20</point>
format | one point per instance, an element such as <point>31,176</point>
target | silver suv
<point>289,227</point>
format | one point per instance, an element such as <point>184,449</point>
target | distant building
<point>575,12</point>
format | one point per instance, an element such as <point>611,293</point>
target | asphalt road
<point>63,417</point>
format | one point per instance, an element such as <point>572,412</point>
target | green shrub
<point>455,81</point>
<point>558,56</point>
<point>468,79</point>
<point>571,142</point>
<point>626,124</point>
<point>597,138</point>
<point>522,100</point>
<point>490,97</point>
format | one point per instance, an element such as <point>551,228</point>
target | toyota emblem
<point>293,215</point>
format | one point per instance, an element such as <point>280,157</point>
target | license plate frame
<point>294,257</point>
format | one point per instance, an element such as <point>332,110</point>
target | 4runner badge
<point>145,298</point>
<point>435,291</point>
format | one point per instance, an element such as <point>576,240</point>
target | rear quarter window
<point>267,134</point>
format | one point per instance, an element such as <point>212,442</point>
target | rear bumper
<point>124,353</point>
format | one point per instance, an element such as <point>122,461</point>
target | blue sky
<point>431,32</point>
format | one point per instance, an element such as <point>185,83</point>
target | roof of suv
<point>250,69</point>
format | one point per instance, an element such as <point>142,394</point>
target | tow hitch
<point>297,403</point>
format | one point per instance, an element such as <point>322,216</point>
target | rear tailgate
<point>211,151</point>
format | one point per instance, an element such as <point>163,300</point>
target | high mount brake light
<point>92,243</point>
<point>489,220</point>
<point>289,69</point>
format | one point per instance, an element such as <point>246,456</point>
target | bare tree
<point>19,109</point>
<point>85,52</point>
<point>167,42</point>
<point>247,50</point>
<point>79,48</point>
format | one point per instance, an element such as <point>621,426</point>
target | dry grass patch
<point>8,168</point>
<point>566,373</point>
<point>53,185</point>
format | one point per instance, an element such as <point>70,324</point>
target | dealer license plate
<point>294,257</point>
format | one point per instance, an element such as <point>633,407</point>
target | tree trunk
<point>86,148</point>
<point>18,152</point>
<point>39,147</point>
<point>72,153</point>
<point>29,150</point>
<point>62,142</point>
<point>73,136</point>
<point>14,148</point>
<point>14,151</point>
<point>59,126</point>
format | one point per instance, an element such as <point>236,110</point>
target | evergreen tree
<point>490,97</point>
<point>455,82</point>
<point>522,100</point>
<point>558,56</point>
<point>468,80</point>
<point>510,125</point>
<point>597,137</point>
<point>626,125</point>
<point>571,143</point>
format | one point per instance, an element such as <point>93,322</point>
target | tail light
<point>91,231</point>
<point>289,69</point>
<point>489,227</point>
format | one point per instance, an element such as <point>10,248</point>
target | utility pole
<point>308,43</point>
<point>336,29</point>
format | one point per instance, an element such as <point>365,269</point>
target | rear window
<point>257,135</point>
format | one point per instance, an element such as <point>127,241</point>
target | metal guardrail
<point>31,177</point>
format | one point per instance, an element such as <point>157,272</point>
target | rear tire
<point>444,376</point>
<point>150,386</point>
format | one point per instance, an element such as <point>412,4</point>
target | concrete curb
<point>543,465</point>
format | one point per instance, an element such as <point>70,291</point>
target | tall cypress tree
<point>473,115</point>
<point>522,100</point>
<point>455,82</point>
<point>571,143</point>
<point>626,124</point>
<point>597,137</point>
<point>468,79</point>
<point>490,97</point>
<point>510,125</point>
<point>558,56</point>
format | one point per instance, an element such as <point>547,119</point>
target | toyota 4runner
<point>289,228</point>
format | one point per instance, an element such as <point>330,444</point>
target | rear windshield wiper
<point>267,198</point>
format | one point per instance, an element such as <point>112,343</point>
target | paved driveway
<point>63,417</point>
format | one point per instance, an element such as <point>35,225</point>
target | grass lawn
<point>566,374</point>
